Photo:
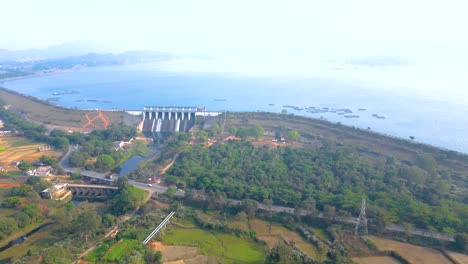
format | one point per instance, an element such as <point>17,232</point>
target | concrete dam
<point>170,118</point>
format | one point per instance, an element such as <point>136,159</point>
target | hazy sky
<point>253,35</point>
<point>289,28</point>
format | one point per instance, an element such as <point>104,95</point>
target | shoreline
<point>312,119</point>
<point>61,71</point>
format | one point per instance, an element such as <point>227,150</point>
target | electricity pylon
<point>361,225</point>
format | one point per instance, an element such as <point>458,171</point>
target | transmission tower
<point>361,225</point>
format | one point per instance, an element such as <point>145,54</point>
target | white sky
<point>290,28</point>
<point>283,35</point>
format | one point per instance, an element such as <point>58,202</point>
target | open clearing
<point>19,148</point>
<point>180,254</point>
<point>376,260</point>
<point>228,248</point>
<point>53,116</point>
<point>412,253</point>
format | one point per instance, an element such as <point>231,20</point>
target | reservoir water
<point>429,118</point>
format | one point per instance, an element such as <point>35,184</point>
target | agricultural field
<point>376,260</point>
<point>14,149</point>
<point>411,253</point>
<point>226,247</point>
<point>278,232</point>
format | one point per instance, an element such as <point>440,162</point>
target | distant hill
<point>67,49</point>
<point>27,62</point>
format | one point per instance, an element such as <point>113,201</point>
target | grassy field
<point>53,116</point>
<point>120,250</point>
<point>19,148</point>
<point>411,253</point>
<point>226,247</point>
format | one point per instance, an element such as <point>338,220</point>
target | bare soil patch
<point>174,253</point>
<point>9,185</point>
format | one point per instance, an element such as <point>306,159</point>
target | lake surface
<point>431,119</point>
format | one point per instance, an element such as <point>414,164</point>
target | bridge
<point>91,191</point>
<point>159,227</point>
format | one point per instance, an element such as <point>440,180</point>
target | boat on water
<point>220,99</point>
<point>378,116</point>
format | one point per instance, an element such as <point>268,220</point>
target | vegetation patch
<point>121,249</point>
<point>96,255</point>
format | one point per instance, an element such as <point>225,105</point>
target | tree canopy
<point>331,179</point>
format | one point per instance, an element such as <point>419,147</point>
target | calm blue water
<point>428,118</point>
<point>130,164</point>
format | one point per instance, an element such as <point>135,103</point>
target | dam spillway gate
<point>168,119</point>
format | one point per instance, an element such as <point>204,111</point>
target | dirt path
<point>101,116</point>
<point>163,170</point>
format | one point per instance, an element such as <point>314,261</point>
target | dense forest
<point>331,179</point>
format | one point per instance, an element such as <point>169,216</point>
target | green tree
<point>33,210</point>
<point>24,166</point>
<point>77,159</point>
<point>461,242</point>
<point>243,132</point>
<point>47,160</point>
<point>56,255</point>
<point>215,129</point>
<point>108,220</point>
<point>171,191</point>
<point>75,176</point>
<point>202,136</point>
<point>293,135</point>
<point>127,198</point>
<point>12,202</point>
<point>8,225</point>
<point>257,132</point>
<point>38,184</point>
<point>232,130</point>
<point>22,219</point>
<point>61,143</point>
<point>250,207</point>
<point>104,162</point>
<point>86,223</point>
